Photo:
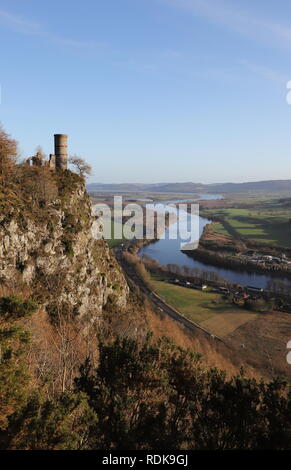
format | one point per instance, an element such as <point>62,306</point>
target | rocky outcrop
<point>55,253</point>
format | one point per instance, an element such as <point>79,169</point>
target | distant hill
<point>269,186</point>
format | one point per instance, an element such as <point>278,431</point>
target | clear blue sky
<point>152,90</point>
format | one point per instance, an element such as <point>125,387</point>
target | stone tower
<point>61,151</point>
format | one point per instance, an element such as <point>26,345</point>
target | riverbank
<point>228,252</point>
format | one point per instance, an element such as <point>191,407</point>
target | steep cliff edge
<point>46,242</point>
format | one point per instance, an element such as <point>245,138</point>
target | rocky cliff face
<point>53,251</point>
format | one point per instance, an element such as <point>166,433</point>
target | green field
<point>219,228</point>
<point>266,225</point>
<point>205,308</point>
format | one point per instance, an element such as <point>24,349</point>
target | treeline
<point>279,287</point>
<point>141,396</point>
<point>237,263</point>
<point>273,287</point>
<point>188,272</point>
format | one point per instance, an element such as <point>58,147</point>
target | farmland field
<point>205,308</point>
<point>266,225</point>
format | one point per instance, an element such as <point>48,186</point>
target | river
<point>167,251</point>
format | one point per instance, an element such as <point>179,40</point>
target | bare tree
<point>82,166</point>
<point>8,155</point>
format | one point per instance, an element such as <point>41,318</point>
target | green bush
<point>14,307</point>
<point>13,372</point>
<point>63,424</point>
<point>159,396</point>
<point>68,247</point>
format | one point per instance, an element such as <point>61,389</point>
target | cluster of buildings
<point>258,258</point>
<point>241,293</point>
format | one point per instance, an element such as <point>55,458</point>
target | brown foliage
<point>37,185</point>
<point>8,155</point>
<point>138,266</point>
